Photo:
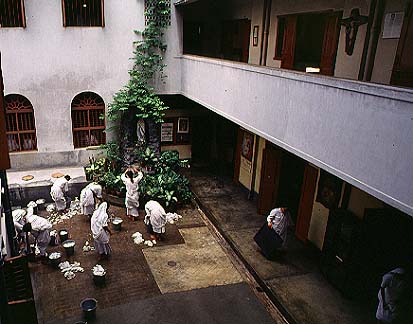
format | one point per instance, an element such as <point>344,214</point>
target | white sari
<point>155,216</point>
<point>97,223</point>
<point>132,194</point>
<point>58,193</point>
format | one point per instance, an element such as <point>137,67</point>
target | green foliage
<point>148,56</point>
<point>165,184</point>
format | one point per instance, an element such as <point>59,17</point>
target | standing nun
<point>58,192</point>
<point>88,197</point>
<point>100,231</point>
<point>132,193</point>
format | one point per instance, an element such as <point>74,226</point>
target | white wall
<point>360,132</point>
<point>50,64</point>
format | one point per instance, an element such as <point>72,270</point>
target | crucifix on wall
<point>352,25</point>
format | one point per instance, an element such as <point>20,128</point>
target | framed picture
<point>167,132</point>
<point>247,145</point>
<point>183,125</point>
<point>255,35</point>
<point>329,190</point>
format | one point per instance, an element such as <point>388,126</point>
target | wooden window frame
<point>102,13</point>
<point>16,133</point>
<point>87,128</point>
<point>22,14</point>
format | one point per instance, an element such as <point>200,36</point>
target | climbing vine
<point>135,102</point>
<point>137,99</point>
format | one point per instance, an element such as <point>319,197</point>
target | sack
<point>268,240</point>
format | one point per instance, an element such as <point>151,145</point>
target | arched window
<point>88,120</point>
<point>20,126</point>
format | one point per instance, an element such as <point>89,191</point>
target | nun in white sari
<point>100,230</point>
<point>132,193</point>
<point>279,220</point>
<point>39,227</point>
<point>58,192</point>
<point>155,219</point>
<point>87,198</point>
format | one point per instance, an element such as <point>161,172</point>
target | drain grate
<point>171,263</point>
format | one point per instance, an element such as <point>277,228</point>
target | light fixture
<point>310,69</point>
<point>84,5</point>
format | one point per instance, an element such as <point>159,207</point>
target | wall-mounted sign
<point>167,132</point>
<point>393,23</point>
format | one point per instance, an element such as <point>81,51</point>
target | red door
<point>271,166</point>
<point>288,50</point>
<point>306,202</point>
<point>330,43</point>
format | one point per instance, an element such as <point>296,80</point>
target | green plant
<point>95,168</point>
<point>137,99</point>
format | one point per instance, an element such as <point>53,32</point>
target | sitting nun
<point>88,198</point>
<point>279,220</point>
<point>58,192</point>
<point>132,193</point>
<point>39,227</point>
<point>155,219</point>
<point>100,231</point>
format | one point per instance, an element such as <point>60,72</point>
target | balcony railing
<point>361,132</point>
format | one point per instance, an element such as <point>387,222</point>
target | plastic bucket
<point>55,262</point>
<point>69,246</point>
<point>53,240</point>
<point>88,307</point>
<point>117,224</point>
<point>63,235</point>
<point>99,280</point>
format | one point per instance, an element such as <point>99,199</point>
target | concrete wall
<point>386,48</point>
<point>359,201</point>
<point>50,64</point>
<point>356,131</point>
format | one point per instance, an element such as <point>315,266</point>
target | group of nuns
<point>96,209</point>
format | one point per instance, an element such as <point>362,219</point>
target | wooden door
<point>402,74</point>
<point>270,176</point>
<point>330,43</point>
<point>245,38</point>
<point>288,50</point>
<point>306,202</point>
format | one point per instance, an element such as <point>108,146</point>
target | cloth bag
<point>268,241</point>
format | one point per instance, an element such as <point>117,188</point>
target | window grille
<point>86,13</point>
<point>12,13</point>
<point>20,125</point>
<point>88,123</point>
<point>149,15</point>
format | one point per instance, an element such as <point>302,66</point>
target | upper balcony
<point>359,131</point>
<point>349,119</point>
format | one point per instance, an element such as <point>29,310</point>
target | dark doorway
<point>235,40</point>
<point>213,143</point>
<point>291,180</point>
<point>309,41</point>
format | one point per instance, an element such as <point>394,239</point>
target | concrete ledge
<point>34,159</point>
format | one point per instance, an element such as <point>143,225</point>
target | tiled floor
<point>128,275</point>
